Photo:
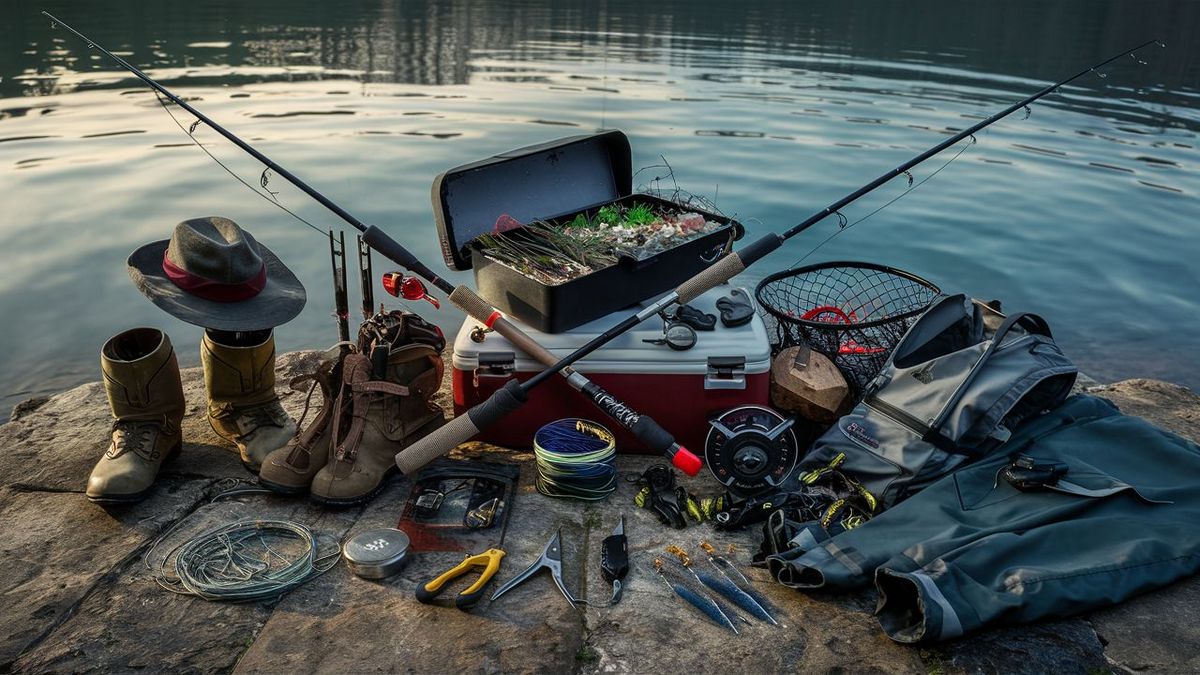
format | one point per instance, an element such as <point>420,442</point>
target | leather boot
<point>141,378</point>
<point>290,469</point>
<point>242,405</point>
<point>380,417</point>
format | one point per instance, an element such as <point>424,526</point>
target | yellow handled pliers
<point>489,560</point>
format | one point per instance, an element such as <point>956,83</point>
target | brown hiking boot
<point>141,378</point>
<point>239,376</point>
<point>290,469</point>
<point>379,418</point>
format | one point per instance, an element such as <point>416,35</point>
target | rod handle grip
<point>660,440</point>
<point>393,250</point>
<point>462,428</point>
<point>482,311</point>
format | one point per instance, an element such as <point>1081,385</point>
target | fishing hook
<point>264,179</point>
<point>910,178</point>
<point>1028,112</point>
<point>1134,56</point>
<point>842,219</point>
<point>1099,74</point>
<point>192,128</point>
<point>973,139</point>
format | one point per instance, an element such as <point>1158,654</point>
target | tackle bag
<point>948,395</point>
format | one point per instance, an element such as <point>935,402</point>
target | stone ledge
<point>76,597</point>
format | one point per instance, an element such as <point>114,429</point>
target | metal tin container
<point>376,554</point>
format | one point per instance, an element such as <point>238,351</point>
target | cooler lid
<point>629,353</point>
<point>539,181</point>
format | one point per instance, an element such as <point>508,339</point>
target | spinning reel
<point>751,449</point>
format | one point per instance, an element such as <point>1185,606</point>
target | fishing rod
<point>512,395</point>
<point>466,426</point>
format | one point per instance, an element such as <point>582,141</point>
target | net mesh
<point>854,313</point>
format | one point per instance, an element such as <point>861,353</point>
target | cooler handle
<point>726,372</point>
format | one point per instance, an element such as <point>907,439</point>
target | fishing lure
<point>724,587</point>
<point>746,588</point>
<point>720,563</point>
<point>697,600</point>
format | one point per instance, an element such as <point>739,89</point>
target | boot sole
<point>137,496</point>
<point>355,501</point>
<point>282,489</point>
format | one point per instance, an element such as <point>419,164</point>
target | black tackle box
<point>554,182</point>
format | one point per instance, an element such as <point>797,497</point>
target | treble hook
<point>1028,112</point>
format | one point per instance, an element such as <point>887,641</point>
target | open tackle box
<point>727,368</point>
<point>554,182</point>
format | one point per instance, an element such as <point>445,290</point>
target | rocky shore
<point>76,596</point>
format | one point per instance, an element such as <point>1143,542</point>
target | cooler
<point>728,367</point>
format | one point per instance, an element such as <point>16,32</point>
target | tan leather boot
<point>242,405</point>
<point>380,417</point>
<point>141,378</point>
<point>290,469</point>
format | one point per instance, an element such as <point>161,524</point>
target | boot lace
<point>133,437</point>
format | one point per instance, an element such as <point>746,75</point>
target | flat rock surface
<point>77,594</point>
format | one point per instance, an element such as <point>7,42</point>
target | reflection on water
<point>1083,212</point>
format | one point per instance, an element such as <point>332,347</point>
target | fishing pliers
<point>490,562</point>
<point>551,559</point>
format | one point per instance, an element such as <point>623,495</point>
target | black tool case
<point>554,182</point>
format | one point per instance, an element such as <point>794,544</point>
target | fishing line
<point>229,171</point>
<point>842,227</point>
<point>235,563</point>
<point>575,460</point>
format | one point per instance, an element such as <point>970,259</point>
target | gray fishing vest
<point>949,394</point>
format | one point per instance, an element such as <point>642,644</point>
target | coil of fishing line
<point>237,562</point>
<point>575,460</point>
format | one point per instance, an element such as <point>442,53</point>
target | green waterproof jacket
<point>972,550</point>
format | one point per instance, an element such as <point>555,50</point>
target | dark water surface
<point>1086,212</point>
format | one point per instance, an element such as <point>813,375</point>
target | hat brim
<point>279,301</point>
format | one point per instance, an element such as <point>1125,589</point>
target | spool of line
<point>575,460</point>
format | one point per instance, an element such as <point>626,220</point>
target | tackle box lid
<point>628,354</point>
<point>535,182</point>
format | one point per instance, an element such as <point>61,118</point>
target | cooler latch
<point>726,372</point>
<point>495,365</point>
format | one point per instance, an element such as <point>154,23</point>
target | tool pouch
<point>948,395</point>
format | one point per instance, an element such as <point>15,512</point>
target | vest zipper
<point>898,416</point>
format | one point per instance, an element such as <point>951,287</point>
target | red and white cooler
<point>681,390</point>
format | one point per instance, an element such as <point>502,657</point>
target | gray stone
<point>77,597</point>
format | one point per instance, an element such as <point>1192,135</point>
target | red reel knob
<point>393,283</point>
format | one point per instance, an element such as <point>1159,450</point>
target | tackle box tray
<point>554,182</point>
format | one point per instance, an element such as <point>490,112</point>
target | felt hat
<point>214,274</point>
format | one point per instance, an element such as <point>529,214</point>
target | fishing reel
<point>409,288</point>
<point>751,449</point>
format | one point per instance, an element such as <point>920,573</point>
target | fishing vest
<point>948,395</point>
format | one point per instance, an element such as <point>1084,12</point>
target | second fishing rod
<point>483,415</point>
<point>512,395</point>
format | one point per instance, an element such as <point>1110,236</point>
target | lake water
<point>1086,212</point>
